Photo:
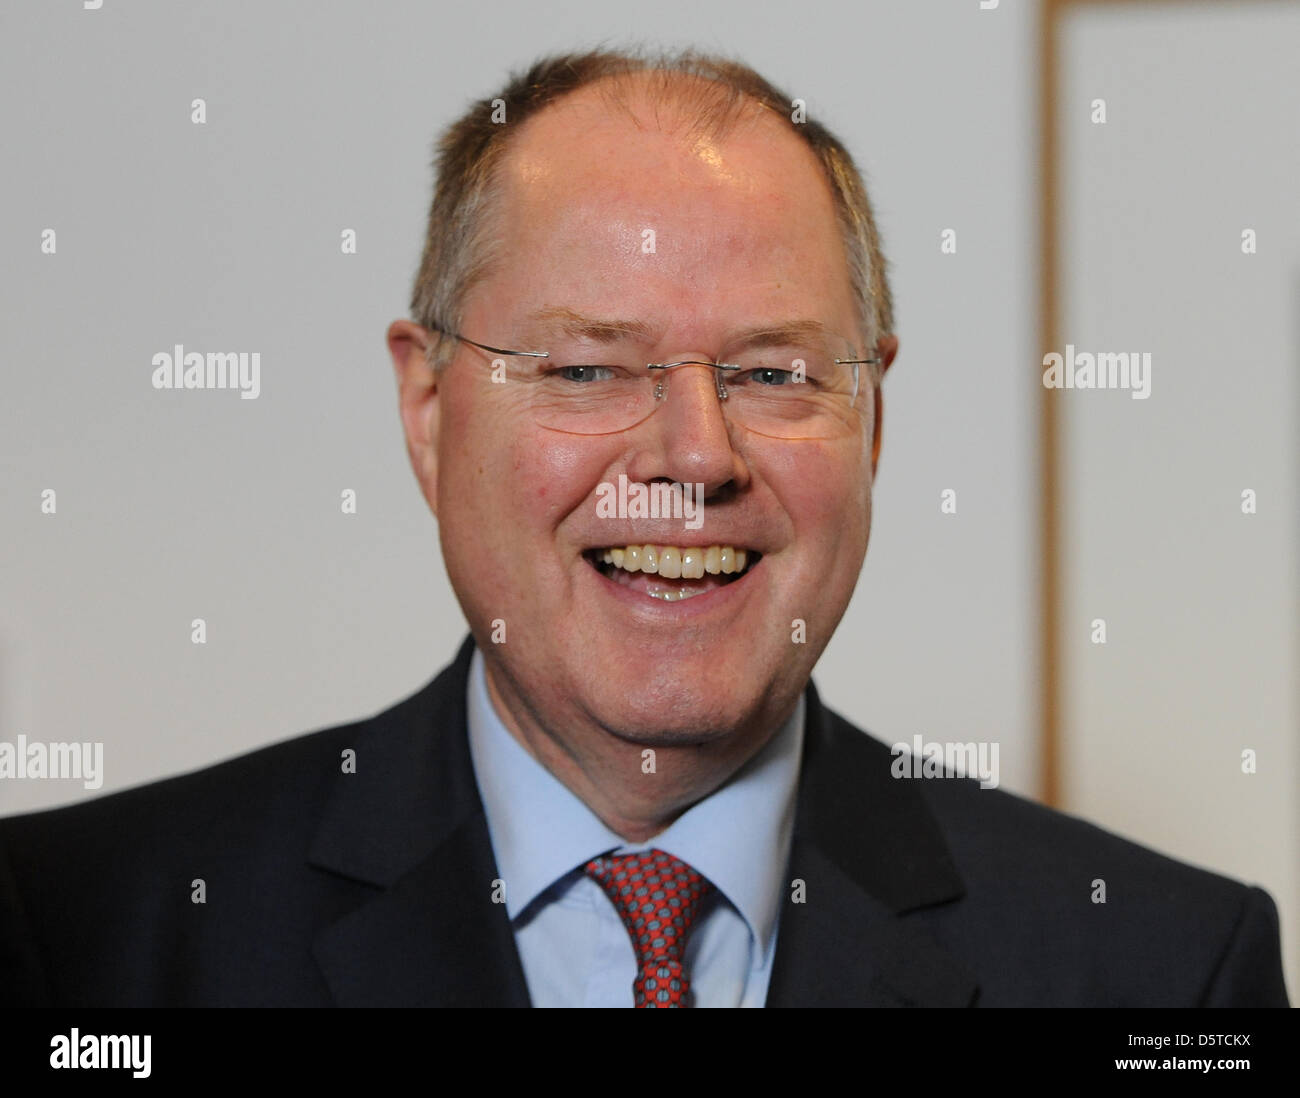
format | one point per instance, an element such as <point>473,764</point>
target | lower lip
<point>653,609</point>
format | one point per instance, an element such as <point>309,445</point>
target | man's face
<point>745,237</point>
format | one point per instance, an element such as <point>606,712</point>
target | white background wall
<point>226,236</point>
<point>1201,660</point>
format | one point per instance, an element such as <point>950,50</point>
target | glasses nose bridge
<point>660,372</point>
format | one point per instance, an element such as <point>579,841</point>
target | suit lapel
<point>433,939</point>
<point>409,824</point>
<point>868,851</point>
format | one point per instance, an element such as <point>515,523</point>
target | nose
<point>689,438</point>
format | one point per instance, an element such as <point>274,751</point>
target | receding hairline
<point>687,105</point>
<point>706,106</point>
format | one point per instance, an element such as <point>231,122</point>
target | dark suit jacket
<point>324,887</point>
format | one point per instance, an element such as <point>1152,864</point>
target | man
<point>624,791</point>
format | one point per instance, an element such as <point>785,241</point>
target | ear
<point>417,399</point>
<point>886,349</point>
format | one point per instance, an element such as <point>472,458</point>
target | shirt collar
<point>738,837</point>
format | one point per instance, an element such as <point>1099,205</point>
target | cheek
<point>507,474</point>
<point>469,456</point>
<point>826,490</point>
<point>557,472</point>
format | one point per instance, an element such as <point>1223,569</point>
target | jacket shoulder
<point>195,888</point>
<point>235,793</point>
<point>1058,910</point>
<point>280,784</point>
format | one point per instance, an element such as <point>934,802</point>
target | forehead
<point>630,186</point>
<point>616,140</point>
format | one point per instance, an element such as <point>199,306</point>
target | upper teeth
<point>673,562</point>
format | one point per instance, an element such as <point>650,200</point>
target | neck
<point>636,790</point>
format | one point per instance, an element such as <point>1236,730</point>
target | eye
<point>584,374</point>
<point>770,375</point>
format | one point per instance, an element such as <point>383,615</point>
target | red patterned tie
<point>657,897</point>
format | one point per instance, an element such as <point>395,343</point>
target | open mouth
<point>673,572</point>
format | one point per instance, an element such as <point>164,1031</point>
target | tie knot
<point>657,896</point>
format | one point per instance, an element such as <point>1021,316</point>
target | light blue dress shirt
<point>573,946</point>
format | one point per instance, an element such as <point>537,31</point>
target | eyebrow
<point>598,330</point>
<point>601,330</point>
<point>787,333</point>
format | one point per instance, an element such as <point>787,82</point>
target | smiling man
<point>749,267</point>
<point>625,790</point>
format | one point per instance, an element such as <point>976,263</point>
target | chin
<point>674,713</point>
<point>662,737</point>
